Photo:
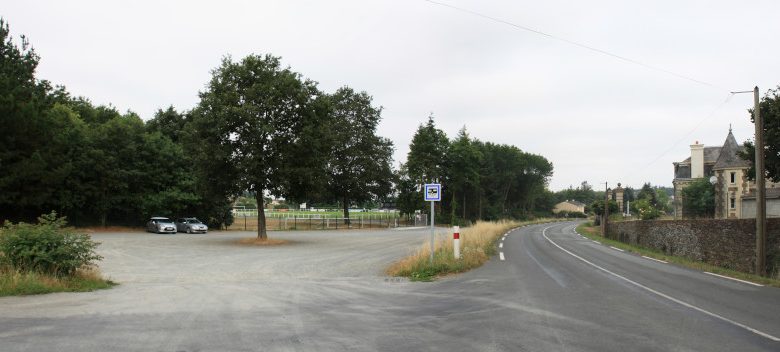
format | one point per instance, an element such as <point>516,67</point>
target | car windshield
<point>193,221</point>
<point>165,221</point>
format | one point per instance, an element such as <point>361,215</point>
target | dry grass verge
<point>254,241</point>
<point>20,283</point>
<point>478,243</point>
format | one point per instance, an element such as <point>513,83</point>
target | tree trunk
<point>452,208</point>
<point>261,232</point>
<point>346,210</point>
<point>464,205</point>
<point>479,216</point>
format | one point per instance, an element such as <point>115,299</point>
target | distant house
<point>734,193</point>
<point>572,206</point>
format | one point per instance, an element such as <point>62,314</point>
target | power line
<point>571,42</point>
<point>674,145</point>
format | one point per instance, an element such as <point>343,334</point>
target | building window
<point>733,177</point>
<point>733,203</point>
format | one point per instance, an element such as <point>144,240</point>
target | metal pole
<point>760,189</point>
<point>432,233</point>
<point>606,210</point>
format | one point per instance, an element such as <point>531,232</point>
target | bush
<point>47,247</point>
<point>570,214</point>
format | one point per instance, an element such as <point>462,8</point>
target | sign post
<point>432,194</point>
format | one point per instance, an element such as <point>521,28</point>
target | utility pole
<point>606,210</point>
<point>760,190</point>
<point>758,122</point>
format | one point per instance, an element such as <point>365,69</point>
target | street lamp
<point>760,187</point>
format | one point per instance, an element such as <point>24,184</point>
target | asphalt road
<point>555,291</point>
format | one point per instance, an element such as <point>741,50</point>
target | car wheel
<point>189,230</point>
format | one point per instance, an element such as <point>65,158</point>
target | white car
<point>159,224</point>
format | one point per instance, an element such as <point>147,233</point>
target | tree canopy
<point>481,180</point>
<point>769,107</point>
<point>256,118</point>
<point>359,162</point>
<point>699,199</point>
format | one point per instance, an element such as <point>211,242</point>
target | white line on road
<point>731,278</point>
<point>596,242</point>
<point>675,300</point>
<point>617,249</point>
<point>658,260</point>
<point>501,255</point>
<point>501,245</point>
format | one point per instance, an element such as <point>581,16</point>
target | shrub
<point>570,214</point>
<point>47,247</point>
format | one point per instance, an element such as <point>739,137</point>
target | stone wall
<point>728,243</point>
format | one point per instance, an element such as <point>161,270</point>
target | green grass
<point>594,233</point>
<point>15,283</point>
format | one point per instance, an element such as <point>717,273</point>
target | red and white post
<point>456,241</point>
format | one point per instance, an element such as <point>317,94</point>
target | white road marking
<point>617,249</point>
<point>596,242</point>
<point>501,255</point>
<point>501,245</point>
<point>675,300</point>
<point>658,260</point>
<point>735,279</point>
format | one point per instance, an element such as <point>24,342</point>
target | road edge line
<point>661,294</point>
<point>733,278</point>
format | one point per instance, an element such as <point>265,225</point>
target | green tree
<point>27,136</point>
<point>769,107</point>
<point>646,210</point>
<point>169,123</point>
<point>255,118</point>
<point>664,204</point>
<point>463,159</point>
<point>699,199</point>
<point>597,207</point>
<point>410,198</point>
<point>427,153</point>
<point>359,166</point>
<point>647,192</point>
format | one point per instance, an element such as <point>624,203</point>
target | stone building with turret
<point>734,192</point>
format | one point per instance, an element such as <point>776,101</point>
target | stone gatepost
<point>617,194</point>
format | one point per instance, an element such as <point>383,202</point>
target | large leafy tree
<point>699,199</point>
<point>359,164</point>
<point>769,107</point>
<point>254,120</point>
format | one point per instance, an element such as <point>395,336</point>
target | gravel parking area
<point>206,292</point>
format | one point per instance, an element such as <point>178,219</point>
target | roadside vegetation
<point>477,244</point>
<point>588,230</point>
<point>47,257</point>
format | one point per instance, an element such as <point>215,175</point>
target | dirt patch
<point>254,241</point>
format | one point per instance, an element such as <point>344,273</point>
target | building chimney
<point>697,160</point>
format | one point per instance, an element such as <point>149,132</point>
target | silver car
<point>191,225</point>
<point>159,224</point>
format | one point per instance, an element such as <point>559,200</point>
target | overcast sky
<point>595,117</point>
